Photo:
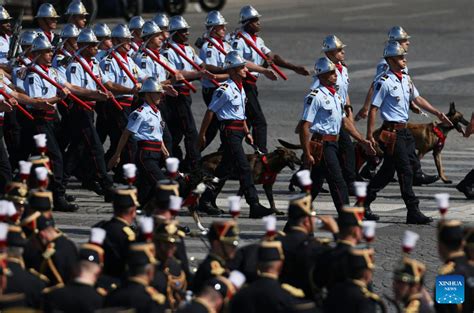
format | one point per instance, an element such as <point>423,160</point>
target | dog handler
<point>228,104</point>
<point>393,93</point>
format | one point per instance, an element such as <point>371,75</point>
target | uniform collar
<point>339,66</point>
<point>124,56</point>
<point>219,41</point>
<point>329,90</point>
<point>44,68</point>
<point>254,36</point>
<point>398,75</point>
<point>268,275</point>
<point>298,229</point>
<point>346,242</point>
<point>153,107</point>
<point>239,85</point>
<point>122,220</point>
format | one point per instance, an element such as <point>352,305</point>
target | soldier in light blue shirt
<point>146,126</point>
<point>322,119</point>
<point>228,104</point>
<point>393,94</point>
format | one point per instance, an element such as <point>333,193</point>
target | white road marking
<point>363,7</point>
<point>370,72</point>
<point>284,17</point>
<point>437,76</point>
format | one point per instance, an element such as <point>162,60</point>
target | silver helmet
<point>331,43</point>
<point>87,36</point>
<point>47,10</point>
<point>232,60</point>
<point>162,20</point>
<point>324,65</point>
<point>76,8</point>
<point>397,33</point>
<point>248,12</point>
<point>41,43</point>
<point>4,15</point>
<point>178,22</point>
<point>27,37</point>
<point>69,31</point>
<point>150,28</point>
<point>121,31</point>
<point>136,22</point>
<point>151,84</point>
<point>102,30</point>
<point>215,18</point>
<point>393,49</point>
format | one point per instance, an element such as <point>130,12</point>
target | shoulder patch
<point>133,116</point>
<point>384,77</point>
<point>235,44</point>
<point>216,268</point>
<point>309,99</point>
<point>219,93</point>
<point>378,86</point>
<point>129,232</point>
<point>208,53</point>
<point>447,268</point>
<point>107,67</point>
<point>155,295</point>
<point>31,80</point>
<point>143,65</point>
<point>73,69</point>
<point>295,292</point>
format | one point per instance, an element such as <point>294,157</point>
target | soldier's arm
<point>34,102</point>
<point>278,60</point>
<point>371,123</point>
<point>363,112</point>
<point>305,137</point>
<point>206,121</point>
<point>424,104</point>
<point>115,159</point>
<point>117,89</point>
<point>88,94</point>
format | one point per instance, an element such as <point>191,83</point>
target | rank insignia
<point>208,54</point>
<point>134,116</point>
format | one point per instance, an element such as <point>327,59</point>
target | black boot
<point>62,205</point>
<point>258,211</point>
<point>70,198</point>
<point>415,216</point>
<point>465,189</point>
<point>108,194</point>
<point>208,208</point>
<point>369,215</point>
<point>424,179</point>
<point>94,186</point>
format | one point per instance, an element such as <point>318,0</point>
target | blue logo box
<point>450,289</point>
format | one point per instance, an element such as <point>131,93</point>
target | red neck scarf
<point>219,41</point>
<point>124,56</point>
<point>153,107</point>
<point>89,61</point>
<point>156,52</point>
<point>331,89</point>
<point>44,68</point>
<point>239,85</point>
<point>339,67</point>
<point>398,74</point>
<point>182,46</point>
<point>49,35</point>
<point>253,36</point>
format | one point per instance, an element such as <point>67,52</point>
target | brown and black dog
<point>430,137</point>
<point>265,168</point>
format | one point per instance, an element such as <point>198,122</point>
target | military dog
<point>265,167</point>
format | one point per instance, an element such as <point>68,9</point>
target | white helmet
<point>248,12</point>
<point>397,33</point>
<point>41,43</point>
<point>215,18</point>
<point>69,31</point>
<point>47,10</point>
<point>393,49</point>
<point>102,30</point>
<point>151,84</point>
<point>331,43</point>
<point>87,36</point>
<point>150,28</point>
<point>178,22</point>
<point>162,20</point>
<point>76,8</point>
<point>136,22</point>
<point>324,65</point>
<point>121,31</point>
<point>232,60</point>
<point>4,15</point>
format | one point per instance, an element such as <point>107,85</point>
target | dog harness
<point>268,177</point>
<point>441,138</point>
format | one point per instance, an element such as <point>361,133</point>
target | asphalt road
<point>441,65</point>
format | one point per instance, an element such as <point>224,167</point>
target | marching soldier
<point>77,14</point>
<point>224,239</point>
<point>22,280</point>
<point>127,77</point>
<point>228,104</point>
<point>180,117</point>
<point>37,87</point>
<point>80,294</point>
<point>467,184</point>
<point>352,295</point>
<point>163,22</point>
<point>84,137</point>
<point>408,287</point>
<point>119,233</point>
<point>5,33</point>
<point>250,20</point>
<point>145,125</point>
<point>170,278</point>
<point>213,53</point>
<point>266,294</point>
<point>323,117</point>
<point>136,26</point>
<point>393,93</point>
<point>103,33</point>
<point>26,41</point>
<point>63,54</point>
<point>47,19</point>
<point>137,293</point>
<point>451,251</point>
<point>333,48</point>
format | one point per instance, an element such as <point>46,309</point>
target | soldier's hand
<point>270,74</point>
<point>63,93</point>
<point>5,106</point>
<point>208,75</point>
<point>302,70</point>
<point>309,159</point>
<point>249,138</point>
<point>443,118</point>
<point>201,141</point>
<point>170,91</point>
<point>369,146</point>
<point>102,96</point>
<point>13,102</point>
<point>178,77</point>
<point>45,105</point>
<point>136,88</point>
<point>329,224</point>
<point>414,108</point>
<point>362,114</point>
<point>114,161</point>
